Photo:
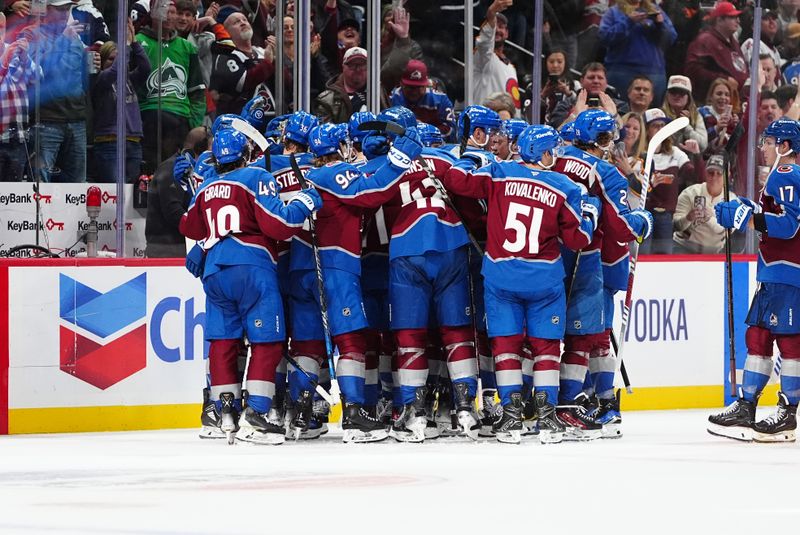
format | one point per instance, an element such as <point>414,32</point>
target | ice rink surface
<point>666,475</point>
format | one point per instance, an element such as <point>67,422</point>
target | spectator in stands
<point>786,95</point>
<point>594,93</point>
<point>679,103</point>
<point>640,93</point>
<point>346,93</point>
<point>721,114</point>
<point>429,106</point>
<point>18,73</point>
<point>243,70</point>
<point>787,13</point>
<point>63,94</point>
<point>687,19</point>
<point>338,28</point>
<point>715,53</point>
<point>772,76</point>
<point>104,102</point>
<point>558,83</point>
<point>790,44</point>
<point>696,228</point>
<point>492,71</point>
<point>502,103</point>
<point>167,202</point>
<point>635,34</point>
<point>175,87</point>
<point>95,31</point>
<point>397,47</point>
<point>321,70</point>
<point>673,171</point>
<point>628,153</point>
<point>769,39</point>
<point>768,110</point>
<point>198,32</point>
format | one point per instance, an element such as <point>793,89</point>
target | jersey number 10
<point>515,222</point>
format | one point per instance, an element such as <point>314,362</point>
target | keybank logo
<point>103,336</point>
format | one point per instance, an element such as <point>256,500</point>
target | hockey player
<point>356,136</point>
<point>503,143</point>
<point>428,264</point>
<point>531,210</point>
<point>776,217</point>
<point>346,193</point>
<point>586,342</point>
<point>238,216</point>
<point>430,135</point>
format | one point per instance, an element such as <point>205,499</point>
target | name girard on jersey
<point>217,191</point>
<point>532,192</point>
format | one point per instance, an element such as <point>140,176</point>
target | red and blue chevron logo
<point>103,336</point>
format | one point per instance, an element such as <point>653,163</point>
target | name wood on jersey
<point>532,192</point>
<point>577,168</point>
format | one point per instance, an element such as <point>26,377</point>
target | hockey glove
<point>472,160</point>
<point>735,214</point>
<point>196,260</point>
<point>374,145</point>
<point>647,225</point>
<point>404,151</point>
<point>182,171</point>
<point>590,209</point>
<point>309,199</point>
<point>254,112</point>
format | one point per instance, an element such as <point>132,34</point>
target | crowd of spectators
<point>645,61</point>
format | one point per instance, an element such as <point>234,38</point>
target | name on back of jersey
<point>217,191</point>
<point>577,168</point>
<point>532,192</point>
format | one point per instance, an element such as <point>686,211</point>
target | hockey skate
<point>551,429</point>
<point>229,419</point>
<point>383,410</point>
<point>529,417</point>
<point>304,425</point>
<point>359,426</point>
<point>431,406</point>
<point>257,428</point>
<point>579,425</point>
<point>445,415</point>
<point>492,410</point>
<point>779,426</point>
<point>507,426</point>
<point>465,411</point>
<point>210,418</point>
<point>319,415</point>
<point>409,424</point>
<point>736,421</point>
<point>608,415</point>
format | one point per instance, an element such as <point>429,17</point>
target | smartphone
<point>593,100</point>
<point>553,78</point>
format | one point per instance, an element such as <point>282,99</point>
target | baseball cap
<point>770,13</point>
<point>225,12</point>
<point>715,161</point>
<point>793,30</point>
<point>723,9</point>
<point>354,53</point>
<point>679,82</point>
<point>416,74</point>
<point>349,23</point>
<point>655,114</point>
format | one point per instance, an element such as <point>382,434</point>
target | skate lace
<point>731,409</point>
<point>776,417</point>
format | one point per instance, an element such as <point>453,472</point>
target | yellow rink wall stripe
<point>147,417</point>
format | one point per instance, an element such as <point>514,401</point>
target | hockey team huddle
<point>465,292</point>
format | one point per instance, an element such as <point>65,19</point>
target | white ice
<point>666,475</point>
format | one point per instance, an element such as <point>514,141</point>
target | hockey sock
<point>385,363</point>
<point>261,375</point>
<point>527,373</point>
<point>222,356</point>
<point>546,371</point>
<point>241,359</point>
<point>412,364</point>
<point>508,365</point>
<point>574,363</point>
<point>789,346</point>
<point>459,353</point>
<point>602,365</point>
<point>588,385</point>
<point>351,367</point>
<point>280,373</point>
<point>486,364</point>
<point>435,357</point>
<point>208,372</point>
<point>758,365</point>
<point>308,355</point>
<point>371,383</point>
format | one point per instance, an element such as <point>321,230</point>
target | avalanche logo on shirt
<point>512,88</point>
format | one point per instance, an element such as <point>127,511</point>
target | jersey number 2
<point>523,232</point>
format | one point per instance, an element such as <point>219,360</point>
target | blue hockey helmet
<point>568,131</point>
<point>223,121</point>
<point>298,127</point>
<point>326,138</point>
<point>400,115</point>
<point>229,145</point>
<point>591,123</point>
<point>514,128</point>
<point>356,119</point>
<point>479,117</point>
<point>536,140</point>
<point>784,130</point>
<point>429,135</point>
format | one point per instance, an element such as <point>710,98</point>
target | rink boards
<point>107,344</point>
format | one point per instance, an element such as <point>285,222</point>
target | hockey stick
<point>240,125</point>
<point>667,131</point>
<point>323,300</point>
<point>730,148</point>
<point>317,387</point>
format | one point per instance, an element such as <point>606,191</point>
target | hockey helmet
<point>229,145</point>
<point>784,130</point>
<point>223,121</point>
<point>591,123</point>
<point>298,127</point>
<point>536,140</point>
<point>429,135</point>
<point>567,131</point>
<point>479,117</point>
<point>513,128</point>
<point>326,138</point>
<point>356,119</point>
